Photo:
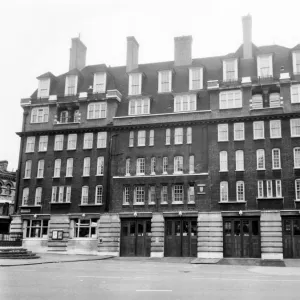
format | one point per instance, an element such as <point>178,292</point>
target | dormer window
<point>196,78</point>
<point>296,62</point>
<point>185,103</point>
<point>264,66</point>
<point>71,85</point>
<point>165,81</point>
<point>135,84</point>
<point>99,82</point>
<point>230,70</point>
<point>44,88</point>
<point>139,106</point>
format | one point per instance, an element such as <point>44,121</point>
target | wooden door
<point>291,238</point>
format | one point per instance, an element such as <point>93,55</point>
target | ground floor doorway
<point>181,237</point>
<point>135,237</point>
<point>291,237</point>
<point>241,237</point>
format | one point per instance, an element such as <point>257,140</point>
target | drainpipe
<point>18,175</point>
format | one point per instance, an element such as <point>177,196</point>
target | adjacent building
<point>190,157</point>
<point>7,196</point>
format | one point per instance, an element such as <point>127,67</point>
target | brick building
<point>191,157</point>
<point>7,196</point>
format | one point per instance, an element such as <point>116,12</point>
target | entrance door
<point>291,238</point>
<point>241,237</point>
<point>181,237</point>
<point>135,237</point>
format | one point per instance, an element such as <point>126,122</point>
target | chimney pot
<point>183,50</point>
<point>247,36</point>
<point>132,61</point>
<point>77,54</point>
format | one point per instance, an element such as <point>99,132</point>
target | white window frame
<point>260,189</point>
<point>269,185</point>
<point>61,192</point>
<point>189,135</point>
<point>39,115</point>
<point>191,164</point>
<point>101,139</point>
<point>43,88</point>
<point>86,166</point>
<point>258,126</point>
<point>222,132</point>
<point>168,136</point>
<point>165,81</point>
<point>239,131</point>
<point>239,160</point>
<point>40,168</point>
<point>260,152</point>
<point>223,191</point>
<point>276,159</point>
<point>126,195</point>
<point>153,165</point>
<point>38,196</point>
<point>139,194</point>
<point>28,168</point>
<point>225,69</point>
<point>84,195</point>
<point>178,136</point>
<point>195,79</point>
<point>177,193</point>
<point>100,166</point>
<point>99,83</point>
<point>296,67</point>
<point>191,193</point>
<point>131,139</point>
<point>295,93</point>
<point>30,144</point>
<point>140,106</point>
<point>240,194</point>
<point>43,143</point>
<point>165,165</point>
<point>275,129</point>
<point>57,168</point>
<point>69,167</point>
<point>223,158</point>
<point>183,103</point>
<point>230,99</point>
<point>58,142</point>
<point>296,152</point>
<point>72,141</point>
<point>295,127</point>
<point>140,166</point>
<point>135,84</point>
<point>70,85</point>
<point>54,194</point>
<point>88,140</point>
<point>141,138</point>
<point>270,66</point>
<point>97,110</point>
<point>151,137</point>
<point>152,194</point>
<point>127,167</point>
<point>164,192</point>
<point>25,196</point>
<point>68,194</point>
<point>178,165</point>
<point>297,189</point>
<point>278,188</point>
<point>98,194</point>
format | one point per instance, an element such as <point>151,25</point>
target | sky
<point>36,38</point>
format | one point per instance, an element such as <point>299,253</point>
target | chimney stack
<point>183,50</point>
<point>3,165</point>
<point>77,54</point>
<point>247,36</point>
<point>132,61</point>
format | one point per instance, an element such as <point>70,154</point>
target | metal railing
<point>11,239</point>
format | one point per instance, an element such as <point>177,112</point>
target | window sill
<point>127,175</point>
<point>42,151</point>
<point>191,202</point>
<point>232,202</point>
<point>99,175</point>
<point>84,238</point>
<point>191,172</point>
<point>242,140</point>
<point>125,204</point>
<point>92,204</point>
<point>37,238</point>
<point>258,139</point>
<point>275,137</point>
<point>223,141</point>
<point>260,169</point>
<point>164,173</point>
<point>30,205</point>
<point>178,143</point>
<point>85,176</point>
<point>56,150</point>
<point>277,169</point>
<point>91,119</point>
<point>223,171</point>
<point>153,174</point>
<point>39,177</point>
<point>60,203</point>
<point>71,149</point>
<point>151,203</point>
<point>87,148</point>
<point>166,203</point>
<point>55,177</point>
<point>141,145</point>
<point>295,136</point>
<point>139,204</point>
<point>240,170</point>
<point>26,177</point>
<point>231,108</point>
<point>178,173</point>
<point>69,176</point>
<point>140,174</point>
<point>29,152</point>
<point>177,202</point>
<point>269,198</point>
<point>297,201</point>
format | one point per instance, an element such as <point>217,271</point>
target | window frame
<point>39,115</point>
<point>153,165</point>
<point>222,192</point>
<point>297,189</point>
<point>30,144</point>
<point>30,228</point>
<point>192,80</point>
<point>100,166</point>
<point>28,169</point>
<point>178,136</point>
<point>102,140</point>
<point>139,106</point>
<point>294,128</point>
<point>240,183</point>
<point>71,90</point>
<point>152,194</point>
<point>257,159</point>
<point>278,192</point>
<point>138,87</point>
<point>85,195</point>
<point>127,167</point>
<point>191,193</point>
<point>189,135</point>
<point>139,195</point>
<point>99,87</point>
<point>270,66</point>
<point>223,160</point>
<point>43,143</point>
<point>69,167</point>
<point>97,110</point>
<point>99,195</point>
<point>223,132</point>
<point>191,164</point>
<point>178,164</point>
<point>141,140</point>
<point>176,188</point>
<point>57,168</point>
<point>224,98</point>
<point>168,136</point>
<point>151,137</point>
<point>58,141</point>
<point>131,139</point>
<point>86,166</point>
<point>126,195</point>
<point>260,189</point>
<point>38,196</point>
<point>225,67</point>
<point>140,166</point>
<point>72,141</point>
<point>88,140</point>
<point>238,165</point>
<point>276,160</point>
<point>255,130</point>
<point>164,83</point>
<point>40,168</point>
<point>239,133</point>
<point>272,128</point>
<point>90,226</point>
<point>25,196</point>
<point>295,54</point>
<point>296,165</point>
<point>43,88</point>
<point>185,103</point>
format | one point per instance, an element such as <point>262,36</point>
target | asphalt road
<point>143,279</point>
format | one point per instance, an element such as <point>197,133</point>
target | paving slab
<point>205,261</point>
<point>51,258</point>
<point>251,262</point>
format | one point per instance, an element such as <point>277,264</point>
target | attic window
<point>135,84</point>
<point>230,70</point>
<point>296,62</point>
<point>264,66</point>
<point>99,82</point>
<point>165,81</point>
<point>44,88</point>
<point>71,85</point>
<point>196,78</point>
